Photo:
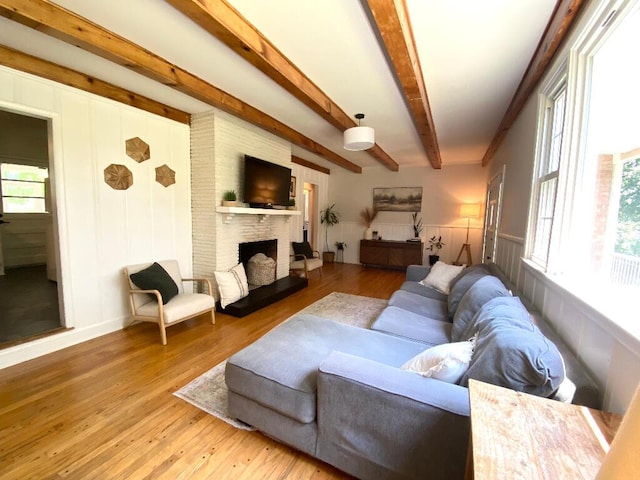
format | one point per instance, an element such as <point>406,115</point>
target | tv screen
<point>265,184</point>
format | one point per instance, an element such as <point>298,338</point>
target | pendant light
<point>359,138</point>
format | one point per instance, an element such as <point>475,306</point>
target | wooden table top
<point>515,435</point>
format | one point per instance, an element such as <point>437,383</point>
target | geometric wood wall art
<point>118,177</point>
<point>165,176</point>
<point>138,149</point>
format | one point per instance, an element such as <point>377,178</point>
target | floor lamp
<point>468,211</point>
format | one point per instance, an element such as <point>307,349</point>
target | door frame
<point>487,214</point>
<point>58,214</point>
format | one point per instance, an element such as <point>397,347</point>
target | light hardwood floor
<point>105,410</point>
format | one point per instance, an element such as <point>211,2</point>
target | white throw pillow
<point>447,362</point>
<point>440,276</point>
<point>232,285</point>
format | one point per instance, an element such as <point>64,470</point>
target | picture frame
<point>397,199</point>
<point>292,187</point>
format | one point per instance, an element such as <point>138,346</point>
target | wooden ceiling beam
<point>308,164</point>
<point>62,24</point>
<point>226,24</point>
<point>392,21</point>
<point>45,69</point>
<point>556,31</point>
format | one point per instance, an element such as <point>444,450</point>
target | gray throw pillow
<point>511,352</point>
<point>481,292</point>
<point>155,277</point>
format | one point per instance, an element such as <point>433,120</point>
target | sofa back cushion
<point>510,351</point>
<point>483,290</point>
<point>462,283</point>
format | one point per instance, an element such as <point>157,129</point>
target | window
<point>546,183</point>
<point>585,213</point>
<point>23,188</point>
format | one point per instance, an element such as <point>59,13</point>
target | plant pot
<point>229,203</point>
<point>328,257</point>
<point>433,259</point>
<point>291,208</point>
<point>368,234</point>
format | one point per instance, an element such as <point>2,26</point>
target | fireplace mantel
<point>264,213</point>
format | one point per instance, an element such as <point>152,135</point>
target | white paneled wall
<point>101,229</point>
<point>612,355</point>
<point>452,236</point>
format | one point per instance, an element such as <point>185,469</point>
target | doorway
<point>29,294</point>
<point>309,214</point>
<point>493,208</point>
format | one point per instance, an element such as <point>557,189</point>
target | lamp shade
<point>470,210</point>
<point>359,138</point>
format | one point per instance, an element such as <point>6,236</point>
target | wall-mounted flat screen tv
<point>265,184</point>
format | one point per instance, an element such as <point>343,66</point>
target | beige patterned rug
<point>208,392</point>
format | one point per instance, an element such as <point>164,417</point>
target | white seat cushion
<point>312,264</point>
<point>180,306</point>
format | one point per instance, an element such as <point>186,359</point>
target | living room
<point>101,229</point>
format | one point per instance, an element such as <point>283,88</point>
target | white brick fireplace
<point>219,142</point>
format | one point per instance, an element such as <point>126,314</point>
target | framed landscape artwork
<point>397,199</point>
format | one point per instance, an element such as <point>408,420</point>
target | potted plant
<point>229,199</point>
<point>417,226</point>
<point>367,216</point>
<point>435,244</point>
<point>341,245</point>
<point>292,204</point>
<point>329,217</point>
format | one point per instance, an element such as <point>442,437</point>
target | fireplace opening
<point>261,270</point>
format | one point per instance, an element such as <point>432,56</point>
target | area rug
<point>208,392</point>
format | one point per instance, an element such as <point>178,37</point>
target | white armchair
<point>304,259</point>
<point>146,296</point>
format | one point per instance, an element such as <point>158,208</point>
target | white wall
<point>442,193</point>
<point>101,229</point>
<point>611,354</point>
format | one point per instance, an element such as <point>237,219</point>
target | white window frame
<point>544,173</point>
<point>44,183</point>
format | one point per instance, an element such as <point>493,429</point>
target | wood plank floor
<point>104,409</point>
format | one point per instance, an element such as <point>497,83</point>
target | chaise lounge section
<point>339,393</point>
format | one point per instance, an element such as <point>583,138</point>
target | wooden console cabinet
<point>390,254</point>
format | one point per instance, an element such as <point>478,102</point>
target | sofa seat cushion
<point>397,321</point>
<point>481,292</point>
<point>280,369</point>
<point>419,289</point>
<point>511,352</point>
<point>427,307</point>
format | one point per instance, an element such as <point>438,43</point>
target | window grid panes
<point>547,182</point>
<point>23,188</point>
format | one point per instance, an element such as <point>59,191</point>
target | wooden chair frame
<point>159,319</point>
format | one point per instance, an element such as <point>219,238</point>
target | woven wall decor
<point>165,176</point>
<point>118,177</point>
<point>138,149</point>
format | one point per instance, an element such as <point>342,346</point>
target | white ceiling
<point>473,54</point>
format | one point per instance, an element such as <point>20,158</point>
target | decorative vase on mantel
<point>368,234</point>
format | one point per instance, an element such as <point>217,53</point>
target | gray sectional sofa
<point>337,392</point>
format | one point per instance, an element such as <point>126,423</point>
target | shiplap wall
<point>101,229</point>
